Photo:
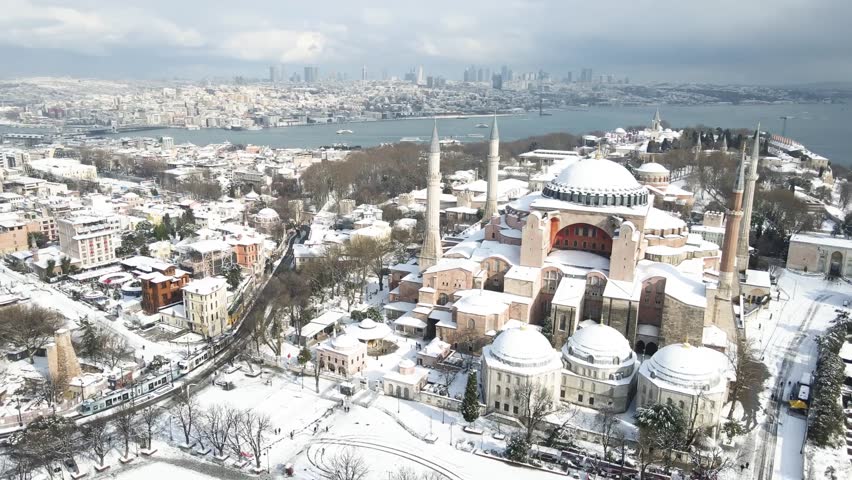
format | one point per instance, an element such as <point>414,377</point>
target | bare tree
<point>408,473</point>
<point>126,425</point>
<point>218,424</point>
<point>51,391</point>
<point>30,326</point>
<point>346,465</point>
<point>115,350</point>
<point>536,403</point>
<point>97,436</point>
<point>608,428</point>
<point>186,411</point>
<point>447,376</point>
<point>709,464</point>
<point>150,416</point>
<point>253,428</point>
<point>750,373</point>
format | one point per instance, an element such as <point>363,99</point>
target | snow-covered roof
<point>820,239</point>
<point>687,368</point>
<point>598,343</point>
<point>596,176</point>
<point>661,220</point>
<point>758,278</point>
<point>205,286</point>
<point>520,349</point>
<point>409,321</point>
<point>652,167</point>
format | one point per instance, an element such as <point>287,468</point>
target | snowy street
<point>787,344</point>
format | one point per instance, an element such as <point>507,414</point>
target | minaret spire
<point>724,147</point>
<point>748,203</point>
<point>491,173</point>
<point>431,251</point>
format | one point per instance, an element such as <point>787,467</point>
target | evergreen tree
<point>234,275</point>
<point>167,223</point>
<point>304,356</point>
<point>518,448</point>
<point>547,329</point>
<point>90,341</point>
<point>470,404</point>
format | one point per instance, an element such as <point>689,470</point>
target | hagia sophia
<point>631,295</point>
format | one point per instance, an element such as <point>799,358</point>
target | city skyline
<point>645,41</point>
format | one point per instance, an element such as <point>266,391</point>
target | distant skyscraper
<point>384,74</point>
<point>504,73</point>
<point>271,74</point>
<point>364,73</point>
<point>421,78</point>
<point>497,82</point>
<point>311,74</point>
<point>568,78</point>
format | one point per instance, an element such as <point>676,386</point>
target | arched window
<point>471,323</point>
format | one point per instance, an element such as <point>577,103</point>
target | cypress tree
<point>470,404</point>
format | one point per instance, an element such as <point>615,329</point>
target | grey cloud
<point>745,41</point>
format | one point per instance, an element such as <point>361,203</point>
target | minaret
<point>432,250</point>
<point>698,147</point>
<point>732,227</point>
<point>748,204</point>
<point>491,174</point>
<point>724,147</point>
<point>657,123</point>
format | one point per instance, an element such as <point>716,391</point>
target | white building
<point>205,304</point>
<point>689,377</point>
<point>599,368</point>
<point>518,357</point>
<point>343,355</point>
<point>64,168</point>
<point>89,239</point>
<point>818,252</point>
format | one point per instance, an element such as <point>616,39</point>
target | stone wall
<point>681,322</point>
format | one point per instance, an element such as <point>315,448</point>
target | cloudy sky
<point>737,41</point>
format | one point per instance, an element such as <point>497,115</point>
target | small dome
<point>684,365</point>
<point>267,213</point>
<point>406,363</point>
<point>367,324</point>
<point>252,195</point>
<point>652,167</point>
<point>608,182</point>
<point>522,347</point>
<point>598,343</point>
<point>620,131</point>
<point>344,342</point>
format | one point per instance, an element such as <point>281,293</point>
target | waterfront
<point>823,128</point>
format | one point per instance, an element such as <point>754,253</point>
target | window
<point>508,392</point>
<point>680,404</point>
<point>498,389</point>
<point>562,393</point>
<point>505,407</point>
<point>497,405</point>
<point>562,322</point>
<point>591,400</point>
<point>499,376</point>
<point>580,397</point>
<point>515,409</point>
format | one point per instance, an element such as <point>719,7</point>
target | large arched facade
<point>584,237</point>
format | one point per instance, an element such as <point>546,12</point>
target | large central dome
<point>597,182</point>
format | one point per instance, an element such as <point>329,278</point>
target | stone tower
<point>748,203</point>
<point>493,166</point>
<point>732,227</point>
<point>61,359</point>
<point>432,250</point>
<point>724,147</point>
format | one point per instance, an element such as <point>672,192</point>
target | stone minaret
<point>732,227</point>
<point>724,147</point>
<point>697,149</point>
<point>748,204</point>
<point>491,175</point>
<point>432,250</point>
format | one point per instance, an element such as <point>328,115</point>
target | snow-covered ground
<point>785,334</point>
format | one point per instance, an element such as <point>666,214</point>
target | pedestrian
<point>748,464</point>
<point>326,429</point>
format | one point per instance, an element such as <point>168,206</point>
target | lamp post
<point>451,431</point>
<point>20,418</point>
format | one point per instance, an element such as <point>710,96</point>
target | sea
<point>825,129</point>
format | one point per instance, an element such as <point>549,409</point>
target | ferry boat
<point>475,135</point>
<point>193,127</point>
<point>345,131</point>
<point>481,125</point>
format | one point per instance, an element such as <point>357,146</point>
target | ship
<point>475,135</point>
<point>481,125</point>
<point>343,132</point>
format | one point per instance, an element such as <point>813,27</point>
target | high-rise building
<point>497,82</point>
<point>272,74</point>
<point>430,82</point>
<point>421,79</point>
<point>311,74</point>
<point>568,77</point>
<point>364,73</point>
<point>504,73</point>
